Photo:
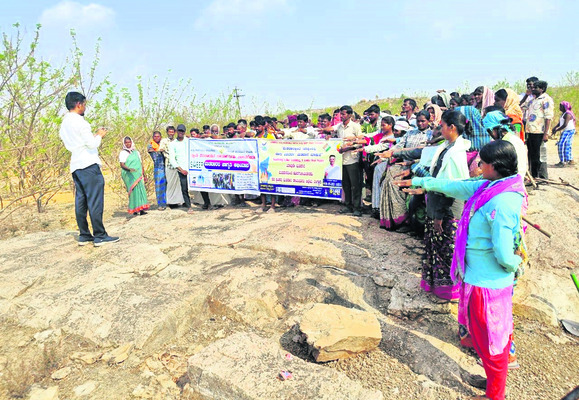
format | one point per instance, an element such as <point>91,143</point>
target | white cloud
<point>219,11</point>
<point>70,14</point>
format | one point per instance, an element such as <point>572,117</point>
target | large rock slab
<point>245,366</point>
<point>335,332</point>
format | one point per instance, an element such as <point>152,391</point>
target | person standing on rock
<point>173,192</point>
<point>178,159</point>
<point>89,183</point>
<point>484,261</point>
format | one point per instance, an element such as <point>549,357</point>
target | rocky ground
<point>229,287</point>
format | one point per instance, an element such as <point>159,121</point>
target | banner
<point>223,166</point>
<point>305,168</point>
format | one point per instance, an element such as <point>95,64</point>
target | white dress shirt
<point>78,138</point>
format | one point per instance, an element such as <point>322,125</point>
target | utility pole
<point>236,94</point>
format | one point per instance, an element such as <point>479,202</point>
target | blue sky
<point>299,52</point>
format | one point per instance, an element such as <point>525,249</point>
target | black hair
<point>494,108</point>
<point>170,127</point>
<point>232,125</point>
<point>454,99</point>
<point>423,113</point>
<point>205,127</point>
<point>154,133</point>
<point>389,120</point>
<point>331,155</point>
<point>388,112</point>
<point>72,99</point>
<point>267,119</point>
<point>479,90</point>
<point>336,111</point>
<point>454,94</point>
<point>302,117</point>
<point>274,119</point>
<point>411,101</point>
<point>502,156</point>
<point>541,85</point>
<point>456,118</point>
<point>252,123</point>
<point>356,115</point>
<point>325,116</point>
<point>501,94</point>
<point>259,120</point>
<point>348,109</point>
<point>436,99</point>
<point>242,121</point>
<point>194,130</point>
<point>467,98</point>
<point>532,79</point>
<point>374,108</point>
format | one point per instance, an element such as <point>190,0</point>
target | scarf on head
<point>496,118</point>
<point>445,98</point>
<point>478,199</point>
<point>488,98</point>
<point>567,106</point>
<point>512,107</point>
<point>129,149</point>
<point>437,114</point>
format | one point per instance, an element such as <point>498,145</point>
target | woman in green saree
<point>133,175</point>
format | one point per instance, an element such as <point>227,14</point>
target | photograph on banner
<point>223,166</point>
<point>306,168</point>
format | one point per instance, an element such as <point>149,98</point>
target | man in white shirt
<point>85,163</point>
<point>351,133</point>
<point>178,158</point>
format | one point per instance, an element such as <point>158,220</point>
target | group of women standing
<point>472,250</point>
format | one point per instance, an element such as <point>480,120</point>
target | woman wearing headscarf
<point>445,97</point>
<point>133,175</point>
<point>567,127</point>
<point>484,261</point>
<point>500,127</point>
<point>435,115</point>
<point>484,97</point>
<point>509,101</point>
<point>154,149</point>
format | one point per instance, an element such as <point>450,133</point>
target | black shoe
<point>205,206</point>
<point>375,213</point>
<point>85,241</point>
<point>109,239</point>
<point>357,213</point>
<point>346,210</point>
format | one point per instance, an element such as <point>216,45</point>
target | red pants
<point>497,366</point>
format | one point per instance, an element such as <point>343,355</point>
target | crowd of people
<point>452,172</point>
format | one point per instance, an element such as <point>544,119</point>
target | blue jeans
<point>90,196</point>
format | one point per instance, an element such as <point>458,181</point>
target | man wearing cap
<point>178,159</point>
